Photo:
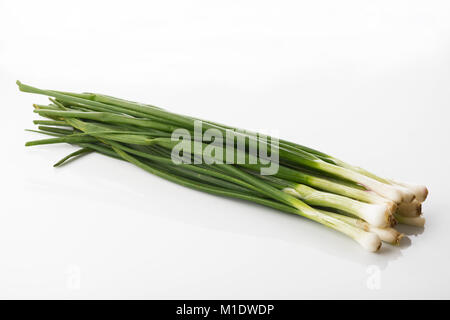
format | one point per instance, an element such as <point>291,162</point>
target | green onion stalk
<point>284,172</point>
<point>388,235</point>
<point>257,190</point>
<point>373,215</point>
<point>407,191</point>
<point>289,152</point>
<point>418,221</point>
<point>378,215</point>
<point>358,203</point>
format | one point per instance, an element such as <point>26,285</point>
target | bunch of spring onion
<point>308,183</point>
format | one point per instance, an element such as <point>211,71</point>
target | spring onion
<point>307,182</point>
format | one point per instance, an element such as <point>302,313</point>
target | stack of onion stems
<point>308,182</point>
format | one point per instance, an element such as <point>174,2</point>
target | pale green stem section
<point>388,235</point>
<point>385,190</point>
<point>408,191</point>
<point>378,215</point>
<point>412,221</point>
<point>347,191</point>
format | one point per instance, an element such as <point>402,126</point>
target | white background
<point>366,81</point>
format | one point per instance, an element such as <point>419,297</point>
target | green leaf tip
<point>20,85</point>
